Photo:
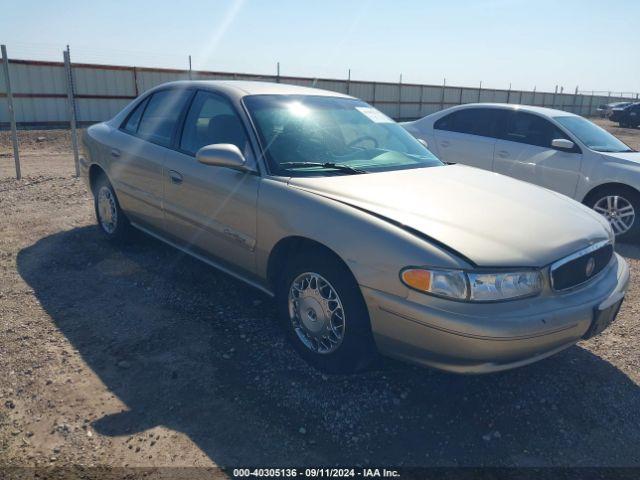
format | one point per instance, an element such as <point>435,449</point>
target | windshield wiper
<point>337,166</point>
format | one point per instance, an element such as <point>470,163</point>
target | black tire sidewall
<point>357,350</point>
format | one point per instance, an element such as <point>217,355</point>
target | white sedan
<point>551,148</point>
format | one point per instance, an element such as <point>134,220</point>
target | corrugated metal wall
<point>40,92</point>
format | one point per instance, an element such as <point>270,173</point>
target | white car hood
<point>491,219</point>
<point>633,157</point>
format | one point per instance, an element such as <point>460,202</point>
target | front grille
<point>580,267</point>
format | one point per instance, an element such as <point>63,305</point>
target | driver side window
<point>531,129</point>
<point>211,119</point>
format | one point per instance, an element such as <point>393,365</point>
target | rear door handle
<point>176,177</point>
<point>503,154</point>
<point>444,143</point>
<point>115,152</point>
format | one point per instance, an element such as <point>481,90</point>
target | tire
<point>356,349</point>
<point>627,197</point>
<point>112,221</point>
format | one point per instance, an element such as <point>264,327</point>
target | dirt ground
<point>141,356</point>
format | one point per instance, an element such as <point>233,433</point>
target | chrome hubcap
<point>107,211</point>
<point>618,211</point>
<point>316,313</point>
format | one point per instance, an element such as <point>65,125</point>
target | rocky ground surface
<point>140,356</point>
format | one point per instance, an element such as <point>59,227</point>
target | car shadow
<point>192,349</point>
<point>628,250</point>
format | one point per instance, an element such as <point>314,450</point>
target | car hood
<point>632,157</point>
<point>491,219</point>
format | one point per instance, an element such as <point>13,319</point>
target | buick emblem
<point>591,266</point>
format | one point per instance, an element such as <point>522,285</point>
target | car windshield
<point>592,135</point>
<point>307,135</point>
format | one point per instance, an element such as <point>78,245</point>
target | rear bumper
<point>473,338</point>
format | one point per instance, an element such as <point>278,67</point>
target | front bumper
<point>482,338</point>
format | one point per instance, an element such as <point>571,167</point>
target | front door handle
<point>115,152</point>
<point>444,143</point>
<point>503,154</point>
<point>176,177</point>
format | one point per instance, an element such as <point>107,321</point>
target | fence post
<point>444,85</point>
<point>509,94</point>
<point>479,91</point>
<point>72,110</point>
<point>400,98</point>
<point>12,113</point>
<point>421,103</point>
<point>190,72</point>
<point>135,81</point>
<point>373,102</point>
<point>278,72</point>
<point>348,81</point>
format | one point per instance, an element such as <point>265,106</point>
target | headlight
<point>473,286</point>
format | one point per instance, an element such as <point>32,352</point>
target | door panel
<point>524,151</point>
<point>549,168</point>
<point>136,171</point>
<point>472,150</point>
<point>212,209</point>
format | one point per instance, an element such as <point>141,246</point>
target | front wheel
<point>621,207</point>
<point>324,314</point>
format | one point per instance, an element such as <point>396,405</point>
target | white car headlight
<point>473,286</point>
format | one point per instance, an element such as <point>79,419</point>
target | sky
<point>589,44</point>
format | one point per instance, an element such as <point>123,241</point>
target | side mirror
<point>562,143</point>
<point>222,155</point>
<point>423,142</point>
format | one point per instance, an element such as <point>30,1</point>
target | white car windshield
<point>305,135</point>
<point>592,135</point>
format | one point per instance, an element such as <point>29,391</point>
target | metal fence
<point>46,94</point>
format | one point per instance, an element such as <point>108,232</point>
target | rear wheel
<point>621,207</point>
<point>112,221</point>
<point>324,315</point>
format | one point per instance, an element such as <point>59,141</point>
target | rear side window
<point>472,121</point>
<point>161,116</point>
<point>530,129</point>
<point>131,125</point>
<point>211,119</point>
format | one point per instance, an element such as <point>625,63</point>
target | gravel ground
<point>143,357</point>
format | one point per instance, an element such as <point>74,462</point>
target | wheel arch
<point>593,193</point>
<point>95,172</point>
<point>287,247</point>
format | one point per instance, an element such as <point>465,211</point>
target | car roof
<point>549,112</point>
<point>242,88</point>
